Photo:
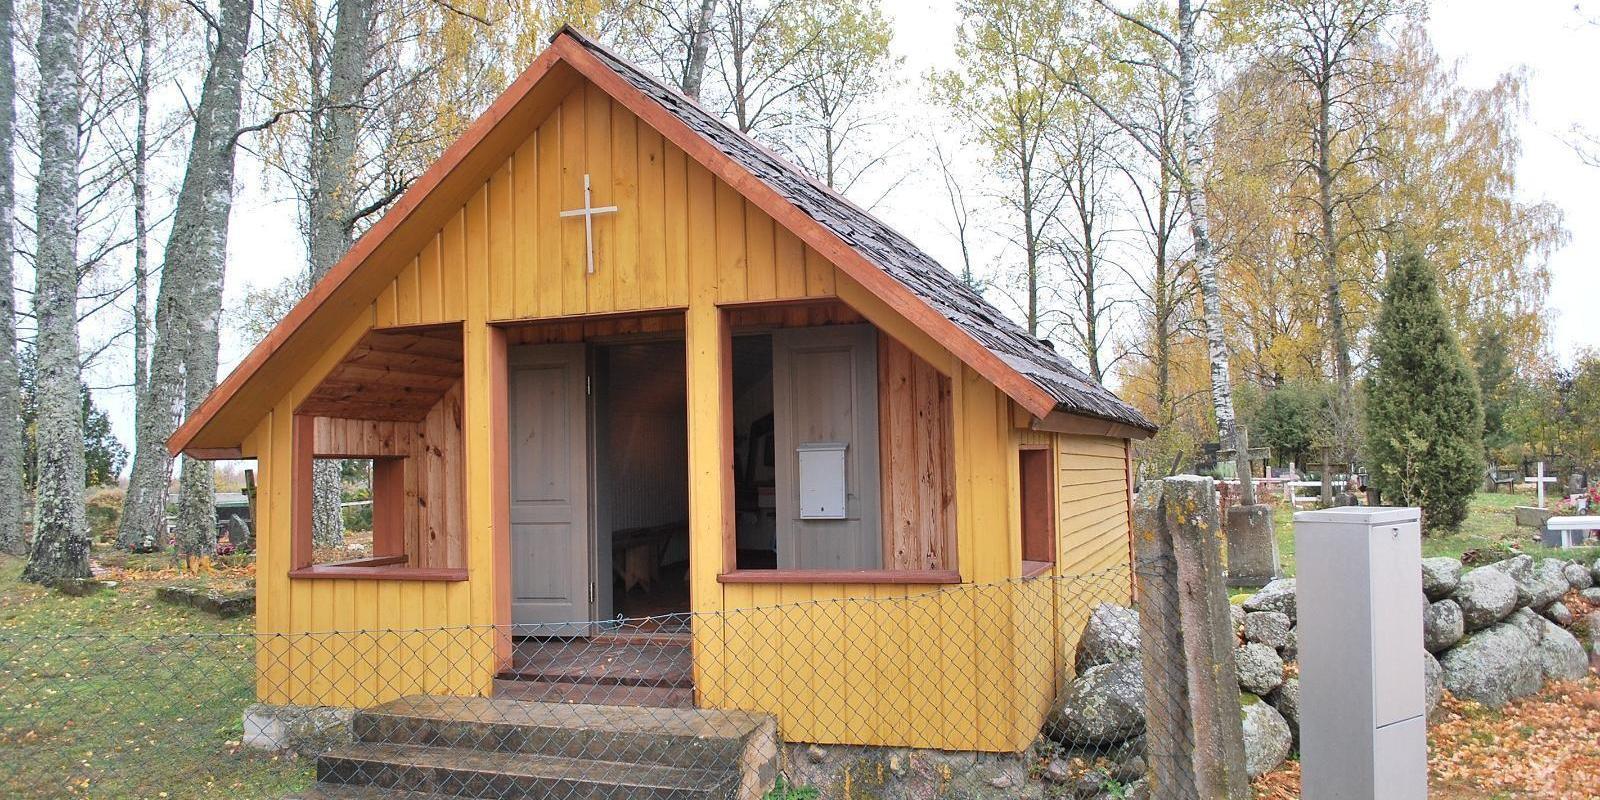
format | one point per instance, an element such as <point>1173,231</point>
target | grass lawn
<point>1490,526</point>
<point>105,696</point>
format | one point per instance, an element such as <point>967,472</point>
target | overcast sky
<point>1548,38</point>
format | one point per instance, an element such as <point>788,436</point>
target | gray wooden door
<point>825,392</point>
<point>550,559</point>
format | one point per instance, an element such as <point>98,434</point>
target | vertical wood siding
<point>954,668</point>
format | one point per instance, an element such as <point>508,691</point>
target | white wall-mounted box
<point>823,492</point>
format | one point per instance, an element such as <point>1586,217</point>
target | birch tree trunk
<point>183,359</point>
<point>12,540</point>
<point>1229,432</point>
<point>205,237</point>
<point>336,128</point>
<point>143,505</point>
<point>61,540</point>
<point>141,223</point>
<point>699,47</point>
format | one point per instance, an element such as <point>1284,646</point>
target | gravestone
<point>1252,546</point>
<point>1532,516</point>
<point>1194,734</point>
<point>1575,483</point>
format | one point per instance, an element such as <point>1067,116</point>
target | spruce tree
<point>1424,413</point>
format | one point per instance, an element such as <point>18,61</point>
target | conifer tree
<point>1424,413</point>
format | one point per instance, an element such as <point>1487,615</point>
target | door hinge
<point>588,386</point>
<point>591,592</point>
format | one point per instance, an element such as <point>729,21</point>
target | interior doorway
<point>641,480</point>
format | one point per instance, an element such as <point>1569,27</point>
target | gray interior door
<point>550,541</point>
<point>824,395</point>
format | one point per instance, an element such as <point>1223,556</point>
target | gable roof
<point>870,252</point>
<point>1072,390</point>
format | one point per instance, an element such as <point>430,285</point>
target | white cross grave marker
<point>587,212</point>
<point>1540,481</point>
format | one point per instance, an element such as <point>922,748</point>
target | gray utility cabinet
<point>1363,726</point>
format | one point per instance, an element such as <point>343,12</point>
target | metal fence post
<point>1194,734</point>
<point>1359,593</point>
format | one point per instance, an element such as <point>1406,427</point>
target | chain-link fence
<point>969,690</point>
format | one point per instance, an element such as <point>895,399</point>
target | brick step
<point>459,772</point>
<point>701,739</point>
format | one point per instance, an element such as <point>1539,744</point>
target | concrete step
<point>458,772</point>
<point>702,739</point>
<point>332,791</point>
<point>608,695</point>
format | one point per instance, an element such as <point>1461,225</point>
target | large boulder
<point>1276,596</point>
<point>1549,583</point>
<point>1270,628</point>
<point>1112,634</point>
<point>1291,648</point>
<point>1104,705</point>
<point>1578,576</point>
<point>1538,583</point>
<point>1286,699</point>
<point>1267,737</point>
<point>1486,595</point>
<point>1558,613</point>
<point>1440,576</point>
<point>1441,626</point>
<point>1532,624</point>
<point>1493,666</point>
<point>1260,668</point>
<point>1432,683</point>
<point>1591,596</point>
<point>1594,571</point>
<point>1560,654</point>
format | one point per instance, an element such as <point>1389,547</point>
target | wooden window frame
<point>1038,525</point>
<point>748,319</point>
<point>389,559</point>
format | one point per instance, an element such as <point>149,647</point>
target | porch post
<point>711,544</point>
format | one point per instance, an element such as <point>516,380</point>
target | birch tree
<point>183,359</point>
<point>12,541</point>
<point>1181,45</point>
<point>61,538</point>
<point>1193,166</point>
<point>200,228</point>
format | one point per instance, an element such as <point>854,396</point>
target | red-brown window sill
<point>377,573</point>
<point>1033,569</point>
<point>904,576</point>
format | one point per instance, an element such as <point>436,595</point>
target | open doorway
<point>641,479</point>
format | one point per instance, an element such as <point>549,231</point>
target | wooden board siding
<point>434,506</point>
<point>953,667</point>
<point>535,262</point>
<point>915,430</point>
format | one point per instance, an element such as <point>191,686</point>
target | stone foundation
<point>303,730</point>
<point>853,772</point>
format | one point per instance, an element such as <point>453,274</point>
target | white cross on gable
<point>1540,481</point>
<point>587,212</point>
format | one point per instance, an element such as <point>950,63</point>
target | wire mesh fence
<point>970,690</point>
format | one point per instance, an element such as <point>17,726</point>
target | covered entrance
<point>598,498</point>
